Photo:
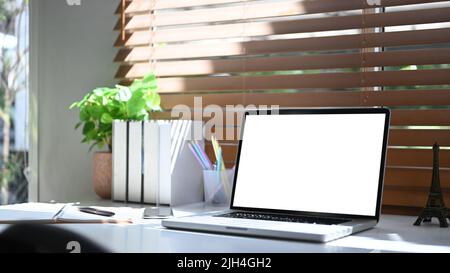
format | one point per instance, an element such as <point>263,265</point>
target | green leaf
<point>73,105</point>
<point>84,115</point>
<point>91,135</point>
<point>98,92</point>
<point>153,101</point>
<point>101,145</point>
<point>104,130</point>
<point>88,126</point>
<point>107,91</point>
<point>123,95</point>
<point>141,115</point>
<point>97,143</point>
<point>92,146</point>
<point>136,104</point>
<point>135,107</point>
<point>106,118</point>
<point>96,111</point>
<point>135,86</point>
<point>83,101</point>
<point>149,78</point>
<point>78,125</point>
<point>149,82</point>
<point>157,109</point>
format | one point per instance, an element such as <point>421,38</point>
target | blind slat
<point>404,137</point>
<point>416,157</point>
<point>404,177</point>
<point>327,61</point>
<point>138,21</point>
<point>256,10</point>
<point>400,38</point>
<point>139,6</point>
<point>329,80</point>
<point>336,99</point>
<point>408,198</point>
<point>286,27</point>
<point>422,117</point>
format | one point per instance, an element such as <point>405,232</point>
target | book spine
<point>135,162</point>
<point>165,173</point>
<point>119,168</point>
<point>151,160</point>
<point>177,140</point>
<point>174,134</point>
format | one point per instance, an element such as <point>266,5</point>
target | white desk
<point>392,234</point>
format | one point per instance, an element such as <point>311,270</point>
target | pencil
<point>215,146</point>
<point>204,155</point>
<point>196,155</point>
<point>223,173</point>
<point>199,154</point>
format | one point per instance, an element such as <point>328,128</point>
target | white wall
<point>72,49</point>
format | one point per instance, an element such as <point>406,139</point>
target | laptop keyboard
<point>284,218</point>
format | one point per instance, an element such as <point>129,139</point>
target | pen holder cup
<point>218,186</point>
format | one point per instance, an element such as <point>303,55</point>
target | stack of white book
<point>153,164</point>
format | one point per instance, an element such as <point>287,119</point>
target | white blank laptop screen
<point>327,163</point>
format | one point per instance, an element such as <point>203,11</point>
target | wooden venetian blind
<point>308,53</point>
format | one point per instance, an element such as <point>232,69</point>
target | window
<point>306,54</point>
<point>13,100</point>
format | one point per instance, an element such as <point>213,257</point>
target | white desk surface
<point>392,234</point>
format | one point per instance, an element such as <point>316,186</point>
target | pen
<point>191,147</point>
<point>222,170</point>
<point>197,149</point>
<point>207,162</point>
<point>215,146</point>
<point>220,174</point>
<point>219,160</point>
<point>96,211</point>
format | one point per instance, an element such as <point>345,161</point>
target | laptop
<point>304,174</point>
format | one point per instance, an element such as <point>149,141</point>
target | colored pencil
<point>207,161</point>
<point>191,147</point>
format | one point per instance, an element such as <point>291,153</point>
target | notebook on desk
<point>62,213</point>
<point>308,174</point>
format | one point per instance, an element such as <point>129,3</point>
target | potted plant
<point>99,108</point>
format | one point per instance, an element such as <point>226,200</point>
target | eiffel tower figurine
<point>435,205</point>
